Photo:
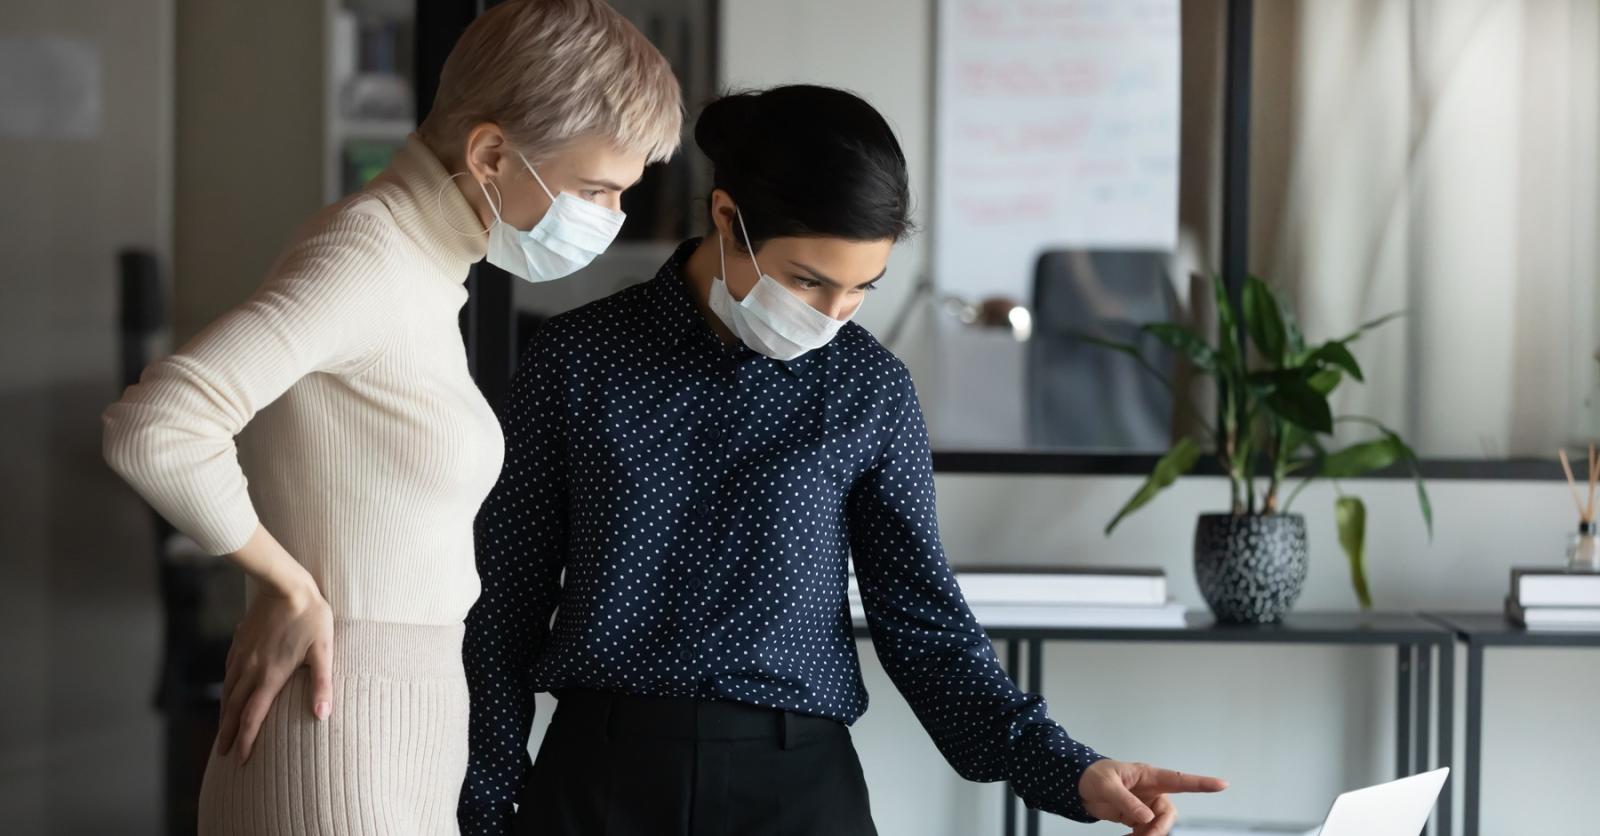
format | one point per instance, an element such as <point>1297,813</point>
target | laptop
<point>1398,808</point>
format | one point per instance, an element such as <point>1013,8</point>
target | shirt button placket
<point>717,437</point>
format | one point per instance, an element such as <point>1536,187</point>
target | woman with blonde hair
<point>369,449</point>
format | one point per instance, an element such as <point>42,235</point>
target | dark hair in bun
<point>803,160</point>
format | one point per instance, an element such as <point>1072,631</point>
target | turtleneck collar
<point>429,208</point>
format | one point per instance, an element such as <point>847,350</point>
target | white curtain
<point>1440,157</point>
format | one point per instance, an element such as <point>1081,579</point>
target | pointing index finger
<point>1168,780</point>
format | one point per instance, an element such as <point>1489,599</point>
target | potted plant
<point>1275,425</point>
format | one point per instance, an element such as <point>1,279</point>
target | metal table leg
<point>1035,686</point>
<point>1447,733</point>
<point>1013,667</point>
<point>1469,805</point>
<point>1402,721</point>
<point>1423,674</point>
<point>1422,753</point>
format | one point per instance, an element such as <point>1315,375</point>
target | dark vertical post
<point>439,23</point>
<point>491,332</point>
<point>143,309</point>
<point>1236,179</point>
<point>1236,152</point>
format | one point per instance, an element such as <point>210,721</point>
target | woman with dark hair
<point>691,465</point>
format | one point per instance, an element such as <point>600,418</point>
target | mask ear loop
<point>747,243</point>
<point>752,247</point>
<point>537,178</point>
<point>722,258</point>
<point>438,199</point>
<point>494,202</point>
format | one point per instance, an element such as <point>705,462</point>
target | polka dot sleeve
<point>930,644</point>
<point>521,537</point>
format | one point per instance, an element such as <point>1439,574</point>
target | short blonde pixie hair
<point>552,71</point>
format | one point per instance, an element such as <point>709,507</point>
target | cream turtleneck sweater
<point>369,448</point>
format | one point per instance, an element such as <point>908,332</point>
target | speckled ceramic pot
<point>1250,568</point>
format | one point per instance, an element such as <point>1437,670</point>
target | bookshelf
<point>368,100</point>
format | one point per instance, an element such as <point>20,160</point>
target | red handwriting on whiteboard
<point>1019,77</point>
<point>1050,137</point>
<point>1002,209</point>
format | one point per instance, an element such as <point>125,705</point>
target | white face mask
<point>770,319</point>
<point>568,237</point>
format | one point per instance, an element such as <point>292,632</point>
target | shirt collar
<point>678,319</point>
<point>671,308</point>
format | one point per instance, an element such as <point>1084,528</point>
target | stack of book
<point>1554,599</point>
<point>1041,596</point>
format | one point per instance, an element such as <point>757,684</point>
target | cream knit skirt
<point>389,760</point>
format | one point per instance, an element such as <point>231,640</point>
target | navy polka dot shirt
<point>687,508</point>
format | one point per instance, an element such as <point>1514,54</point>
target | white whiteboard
<point>1055,126</point>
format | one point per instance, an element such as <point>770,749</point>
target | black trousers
<point>615,765</point>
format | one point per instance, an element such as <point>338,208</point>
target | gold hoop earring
<point>439,200</point>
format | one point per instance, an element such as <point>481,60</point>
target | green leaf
<point>1337,354</point>
<point>1115,345</point>
<point>1325,381</point>
<point>1184,400</point>
<point>1297,339</point>
<point>1264,381</point>
<point>1351,514</point>
<point>1263,319</point>
<point>1178,461</point>
<point>1227,327</point>
<point>1368,326</point>
<point>1185,342</point>
<point>1409,455</point>
<point>1423,502</point>
<point>1294,400</point>
<point>1415,466</point>
<point>1129,349</point>
<point>1289,443</point>
<point>1358,459</point>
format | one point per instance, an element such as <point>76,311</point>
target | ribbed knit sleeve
<point>325,307</point>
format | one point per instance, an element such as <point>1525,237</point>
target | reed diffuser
<point>1582,553</point>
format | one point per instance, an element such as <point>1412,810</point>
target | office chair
<point>1085,397</point>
